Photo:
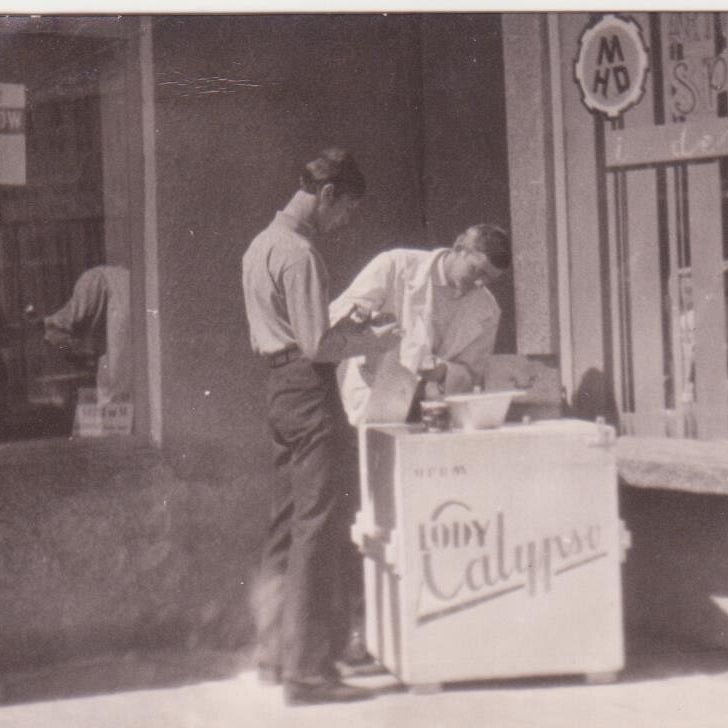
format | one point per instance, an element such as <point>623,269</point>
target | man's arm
<point>357,324</point>
<point>306,301</point>
<point>467,369</point>
<point>306,296</point>
<point>368,291</point>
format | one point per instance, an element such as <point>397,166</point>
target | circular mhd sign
<point>612,65</point>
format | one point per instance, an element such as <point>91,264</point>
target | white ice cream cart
<point>491,554</point>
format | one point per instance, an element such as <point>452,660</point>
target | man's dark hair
<point>489,239</point>
<point>337,167</point>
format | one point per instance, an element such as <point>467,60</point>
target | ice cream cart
<point>493,553</point>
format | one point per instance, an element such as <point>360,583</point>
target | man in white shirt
<point>447,316</point>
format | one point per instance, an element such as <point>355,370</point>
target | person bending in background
<point>94,325</point>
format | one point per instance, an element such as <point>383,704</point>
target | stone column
<point>530,170</point>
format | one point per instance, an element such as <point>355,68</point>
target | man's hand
<point>361,331</point>
<point>366,317</point>
<point>383,326</point>
<point>359,314</point>
<point>436,374</point>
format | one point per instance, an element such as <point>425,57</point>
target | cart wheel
<point>425,688</point>
<point>601,678</point>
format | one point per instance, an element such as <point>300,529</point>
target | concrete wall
<point>531,168</point>
<point>583,223</point>
<point>466,175</point>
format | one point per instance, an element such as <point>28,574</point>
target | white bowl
<point>480,410</point>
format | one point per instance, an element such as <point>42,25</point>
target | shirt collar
<point>295,223</point>
<point>440,279</point>
<point>438,272</point>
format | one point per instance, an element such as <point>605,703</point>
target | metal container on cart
<point>491,554</point>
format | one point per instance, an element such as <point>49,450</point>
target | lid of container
<point>480,396</point>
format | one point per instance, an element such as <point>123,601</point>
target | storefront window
<point>65,344</point>
<point>667,211</point>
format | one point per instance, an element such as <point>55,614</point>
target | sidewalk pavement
<point>662,686</point>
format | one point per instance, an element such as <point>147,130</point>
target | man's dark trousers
<point>301,624</point>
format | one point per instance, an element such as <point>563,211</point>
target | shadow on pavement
<point>648,658</point>
<point>131,671</point>
<point>651,657</point>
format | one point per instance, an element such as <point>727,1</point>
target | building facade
<point>165,144</point>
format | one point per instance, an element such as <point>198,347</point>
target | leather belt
<point>279,358</point>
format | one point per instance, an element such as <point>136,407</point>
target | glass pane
<point>64,294</point>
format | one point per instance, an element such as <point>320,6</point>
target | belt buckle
<point>282,357</point>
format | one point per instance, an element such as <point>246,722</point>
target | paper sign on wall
<point>12,134</point>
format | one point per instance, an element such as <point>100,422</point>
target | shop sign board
<point>668,144</point>
<point>695,66</point>
<point>12,134</point>
<point>611,66</point>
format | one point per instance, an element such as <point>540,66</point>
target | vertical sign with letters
<point>12,134</point>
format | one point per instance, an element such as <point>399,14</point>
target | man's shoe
<point>268,675</point>
<point>364,667</point>
<point>328,691</point>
